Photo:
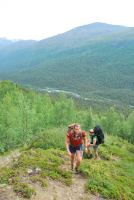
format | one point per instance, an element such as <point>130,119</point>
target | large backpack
<point>70,127</point>
<point>99,133</point>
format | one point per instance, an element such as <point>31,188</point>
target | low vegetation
<point>37,124</point>
<point>35,166</point>
<point>113,175</point>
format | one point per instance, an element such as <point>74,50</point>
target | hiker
<point>92,144</point>
<point>74,141</point>
<point>96,138</point>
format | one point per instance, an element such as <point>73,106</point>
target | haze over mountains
<point>95,60</point>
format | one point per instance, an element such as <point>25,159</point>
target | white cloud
<point>37,19</point>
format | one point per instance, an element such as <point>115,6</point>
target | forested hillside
<point>24,114</point>
<point>94,60</point>
<point>34,125</point>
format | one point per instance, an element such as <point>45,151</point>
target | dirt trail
<point>6,193</point>
<point>55,190</point>
<point>59,191</point>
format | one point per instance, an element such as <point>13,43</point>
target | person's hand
<point>69,153</point>
<point>86,149</point>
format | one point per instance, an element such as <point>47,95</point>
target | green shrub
<point>113,176</point>
<point>24,190</point>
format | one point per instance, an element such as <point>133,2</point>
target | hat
<point>91,130</point>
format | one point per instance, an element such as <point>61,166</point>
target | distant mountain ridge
<point>94,60</point>
<point>4,42</point>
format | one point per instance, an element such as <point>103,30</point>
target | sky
<point>40,19</point>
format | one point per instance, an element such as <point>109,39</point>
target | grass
<point>51,138</point>
<point>48,161</point>
<point>24,190</point>
<point>112,176</point>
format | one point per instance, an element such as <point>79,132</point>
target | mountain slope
<point>94,60</point>
<point>4,42</point>
<point>111,177</point>
<point>50,47</point>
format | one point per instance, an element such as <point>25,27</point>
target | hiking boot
<point>97,158</point>
<point>72,167</point>
<point>76,170</point>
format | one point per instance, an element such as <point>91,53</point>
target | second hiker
<point>96,138</point>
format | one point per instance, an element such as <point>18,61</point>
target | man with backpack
<point>96,138</point>
<point>74,140</point>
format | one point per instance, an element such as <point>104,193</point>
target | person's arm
<point>67,145</point>
<point>85,141</point>
<point>94,141</point>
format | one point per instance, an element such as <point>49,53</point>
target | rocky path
<point>59,191</point>
<point>55,190</point>
<point>6,193</point>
